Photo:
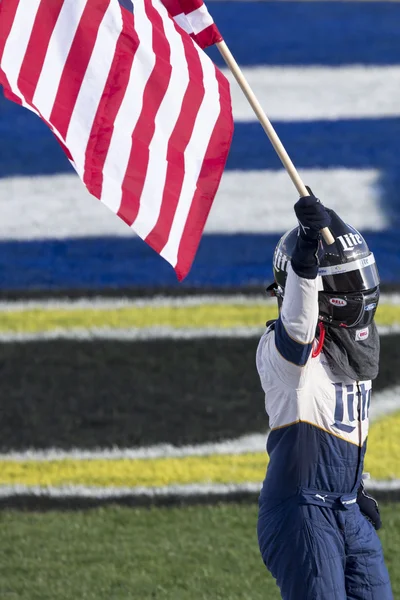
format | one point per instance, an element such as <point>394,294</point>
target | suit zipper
<point>359,409</point>
<point>360,431</point>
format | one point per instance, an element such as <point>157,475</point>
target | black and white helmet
<point>349,292</point>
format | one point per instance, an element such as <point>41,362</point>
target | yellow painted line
<point>131,473</point>
<point>383,462</point>
<point>383,454</point>
<point>207,315</point>
<point>388,314</point>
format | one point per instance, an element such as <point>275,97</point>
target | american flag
<point>194,18</point>
<point>141,111</point>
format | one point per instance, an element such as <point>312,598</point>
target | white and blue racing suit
<point>312,536</point>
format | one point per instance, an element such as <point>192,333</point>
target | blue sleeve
<point>290,349</point>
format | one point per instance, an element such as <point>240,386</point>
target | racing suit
<point>312,535</point>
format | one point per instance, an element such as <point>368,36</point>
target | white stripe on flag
<point>167,116</point>
<point>199,19</point>
<point>182,21</point>
<point>56,55</point>
<point>17,43</point>
<point>92,86</point>
<point>204,126</point>
<point>286,93</point>
<point>121,142</point>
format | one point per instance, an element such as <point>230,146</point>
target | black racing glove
<point>312,216</point>
<point>369,507</point>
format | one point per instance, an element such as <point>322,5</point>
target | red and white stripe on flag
<point>194,18</point>
<point>142,113</point>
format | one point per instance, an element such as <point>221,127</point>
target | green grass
<point>193,553</point>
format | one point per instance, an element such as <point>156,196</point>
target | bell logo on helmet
<point>337,302</point>
<point>349,240</point>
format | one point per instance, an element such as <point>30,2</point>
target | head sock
<point>351,355</point>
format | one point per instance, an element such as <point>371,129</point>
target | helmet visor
<point>356,276</point>
<point>349,310</point>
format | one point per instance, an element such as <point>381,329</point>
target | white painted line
<point>183,491</point>
<point>134,334</point>
<point>262,201</point>
<point>344,92</point>
<point>383,403</point>
<point>80,491</point>
<point>389,329</point>
<point>102,303</point>
<point>53,207</point>
<point>241,445</point>
<point>150,333</point>
<point>390,485</point>
<point>390,299</point>
<point>59,207</point>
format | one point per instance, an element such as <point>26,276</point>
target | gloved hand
<point>312,216</point>
<point>369,507</point>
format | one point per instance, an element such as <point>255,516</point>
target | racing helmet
<point>349,292</point>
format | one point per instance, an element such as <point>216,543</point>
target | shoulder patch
<point>362,334</point>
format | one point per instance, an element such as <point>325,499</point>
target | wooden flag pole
<point>268,128</point>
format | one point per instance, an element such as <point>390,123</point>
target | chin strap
<point>317,351</point>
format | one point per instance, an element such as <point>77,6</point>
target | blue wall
<point>270,33</point>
